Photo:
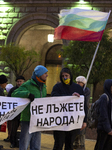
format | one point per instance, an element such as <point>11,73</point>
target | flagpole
<point>92,63</point>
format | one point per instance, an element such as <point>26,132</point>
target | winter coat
<point>104,120</point>
<point>24,90</point>
<point>11,90</point>
<point>1,91</point>
<point>61,89</point>
<point>9,95</point>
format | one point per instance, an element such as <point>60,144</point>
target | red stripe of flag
<point>72,33</point>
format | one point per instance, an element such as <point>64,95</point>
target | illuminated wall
<point>11,12</point>
<point>16,16</point>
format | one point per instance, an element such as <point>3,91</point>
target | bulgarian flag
<point>81,25</point>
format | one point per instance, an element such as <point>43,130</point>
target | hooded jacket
<point>62,89</point>
<point>104,120</point>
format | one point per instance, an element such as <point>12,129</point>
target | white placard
<point>10,107</point>
<point>57,113</point>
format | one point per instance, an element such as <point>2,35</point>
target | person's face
<point>44,76</point>
<point>3,85</point>
<point>65,75</point>
<point>80,83</point>
<point>19,82</point>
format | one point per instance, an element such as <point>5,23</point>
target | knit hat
<point>20,77</point>
<point>8,87</point>
<point>81,79</point>
<point>3,79</point>
<point>40,70</point>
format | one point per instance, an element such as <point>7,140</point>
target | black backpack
<point>93,113</point>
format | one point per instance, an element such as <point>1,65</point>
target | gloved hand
<point>31,97</point>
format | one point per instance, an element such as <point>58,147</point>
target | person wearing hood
<point>67,88</point>
<point>104,127</point>
<point>33,88</point>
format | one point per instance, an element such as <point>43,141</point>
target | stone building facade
<point>28,23</point>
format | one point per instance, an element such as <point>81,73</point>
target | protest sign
<point>57,113</point>
<point>10,107</point>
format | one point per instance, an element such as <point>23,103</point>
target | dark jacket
<point>61,89</point>
<point>1,91</point>
<point>11,90</point>
<point>9,95</point>
<point>87,96</point>
<point>104,121</point>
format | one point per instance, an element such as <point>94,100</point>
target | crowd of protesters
<point>36,88</point>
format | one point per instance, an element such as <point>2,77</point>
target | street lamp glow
<point>82,4</point>
<point>2,2</point>
<point>81,1</point>
<point>50,37</point>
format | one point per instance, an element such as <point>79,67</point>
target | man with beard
<point>33,88</point>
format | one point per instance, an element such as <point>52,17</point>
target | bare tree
<point>18,59</point>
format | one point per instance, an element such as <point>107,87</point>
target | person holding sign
<point>33,88</point>
<point>67,88</point>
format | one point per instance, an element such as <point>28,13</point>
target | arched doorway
<point>53,63</point>
<point>31,31</point>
